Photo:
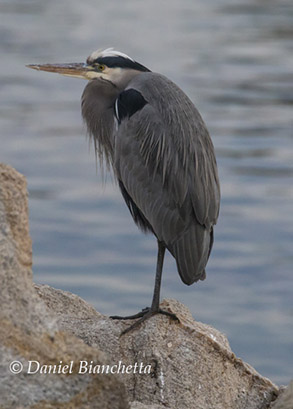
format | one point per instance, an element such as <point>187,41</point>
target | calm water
<point>234,59</point>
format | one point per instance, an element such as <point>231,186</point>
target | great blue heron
<point>153,137</point>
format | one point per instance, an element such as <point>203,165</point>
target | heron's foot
<point>131,317</point>
<point>145,314</point>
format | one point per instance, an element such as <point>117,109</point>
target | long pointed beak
<point>77,70</point>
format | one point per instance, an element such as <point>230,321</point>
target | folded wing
<point>166,167</point>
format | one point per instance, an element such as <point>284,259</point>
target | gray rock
<point>19,303</point>
<point>29,330</point>
<point>285,399</point>
<point>180,365</point>
<point>138,405</point>
<point>192,365</point>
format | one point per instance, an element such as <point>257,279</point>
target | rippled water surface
<point>234,59</point>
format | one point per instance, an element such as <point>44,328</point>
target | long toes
<point>169,314</point>
<point>131,317</point>
<point>137,323</point>
<point>148,314</point>
<point>128,317</point>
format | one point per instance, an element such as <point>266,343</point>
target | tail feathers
<point>191,251</point>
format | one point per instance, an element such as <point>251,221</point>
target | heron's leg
<point>158,279</point>
<point>154,309</point>
<point>157,289</point>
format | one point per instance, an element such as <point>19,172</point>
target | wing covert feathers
<point>165,159</point>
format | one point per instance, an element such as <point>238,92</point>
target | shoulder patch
<point>128,102</point>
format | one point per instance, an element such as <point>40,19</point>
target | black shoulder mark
<point>128,102</point>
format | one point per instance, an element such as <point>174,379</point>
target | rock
<point>138,405</point>
<point>285,400</point>
<point>13,195</point>
<point>19,303</point>
<point>192,365</point>
<point>184,364</point>
<point>29,331</point>
<point>57,301</point>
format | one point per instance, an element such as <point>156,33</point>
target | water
<point>234,59</point>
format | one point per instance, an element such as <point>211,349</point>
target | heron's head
<point>106,65</point>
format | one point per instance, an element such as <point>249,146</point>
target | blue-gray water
<point>234,59</point>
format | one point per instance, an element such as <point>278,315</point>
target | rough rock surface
<point>139,405</point>
<point>192,365</point>
<point>285,399</point>
<point>29,331</point>
<point>189,364</point>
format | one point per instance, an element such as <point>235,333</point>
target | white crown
<point>109,52</point>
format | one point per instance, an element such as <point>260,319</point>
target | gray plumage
<point>164,157</point>
<point>151,134</point>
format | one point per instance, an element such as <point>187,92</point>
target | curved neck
<point>97,104</point>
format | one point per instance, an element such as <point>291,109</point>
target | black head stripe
<point>128,103</point>
<point>121,62</point>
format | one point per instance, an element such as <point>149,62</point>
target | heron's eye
<point>101,67</point>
